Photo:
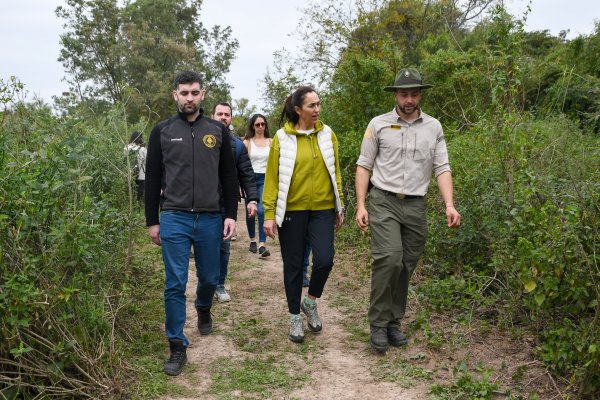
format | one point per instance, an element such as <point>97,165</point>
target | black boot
<point>204,321</point>
<point>379,339</point>
<point>178,358</point>
<point>395,337</point>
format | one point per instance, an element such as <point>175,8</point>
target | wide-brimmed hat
<point>407,78</point>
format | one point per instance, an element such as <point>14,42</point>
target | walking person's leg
<point>387,252</point>
<point>292,236</point>
<point>321,235</point>
<point>262,237</point>
<point>176,236</point>
<point>225,251</point>
<point>208,236</point>
<point>251,226</point>
<point>413,215</point>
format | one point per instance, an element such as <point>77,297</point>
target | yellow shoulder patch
<point>368,133</point>
<point>209,141</point>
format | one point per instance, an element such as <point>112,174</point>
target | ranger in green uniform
<point>399,152</point>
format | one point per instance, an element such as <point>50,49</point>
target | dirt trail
<point>335,368</point>
<point>249,355</point>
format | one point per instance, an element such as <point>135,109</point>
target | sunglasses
<point>259,124</point>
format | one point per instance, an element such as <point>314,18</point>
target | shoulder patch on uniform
<point>209,141</point>
<point>368,133</point>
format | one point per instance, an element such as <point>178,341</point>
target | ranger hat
<point>407,78</point>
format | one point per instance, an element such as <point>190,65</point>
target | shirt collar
<point>398,118</point>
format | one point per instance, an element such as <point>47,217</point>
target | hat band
<point>406,81</point>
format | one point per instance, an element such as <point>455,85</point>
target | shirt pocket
<point>422,151</point>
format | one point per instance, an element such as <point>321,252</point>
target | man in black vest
<point>189,159</point>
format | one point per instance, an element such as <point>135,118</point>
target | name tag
<point>396,127</point>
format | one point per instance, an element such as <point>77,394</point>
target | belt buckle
<point>400,196</point>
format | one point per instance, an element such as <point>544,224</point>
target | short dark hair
<point>223,103</point>
<point>294,100</point>
<point>137,138</point>
<point>250,132</point>
<point>185,77</point>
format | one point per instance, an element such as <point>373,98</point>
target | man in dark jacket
<point>222,112</point>
<point>189,161</point>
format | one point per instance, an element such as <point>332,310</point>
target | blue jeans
<point>250,221</point>
<point>224,256</point>
<point>179,229</point>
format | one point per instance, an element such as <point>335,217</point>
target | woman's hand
<point>339,220</point>
<point>270,228</point>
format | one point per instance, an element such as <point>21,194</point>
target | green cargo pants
<point>398,234</point>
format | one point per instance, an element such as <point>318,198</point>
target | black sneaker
<point>379,339</point>
<point>252,247</point>
<point>178,358</point>
<point>263,251</point>
<point>395,337</point>
<point>204,321</point>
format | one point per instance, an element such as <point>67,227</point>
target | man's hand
<point>228,228</point>
<point>339,220</point>
<point>453,217</point>
<point>362,219</point>
<point>154,232</point>
<point>252,209</point>
<point>270,228</point>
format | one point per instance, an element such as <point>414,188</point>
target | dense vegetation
<point>521,112</point>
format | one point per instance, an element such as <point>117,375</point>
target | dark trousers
<point>140,186</point>
<point>398,234</point>
<point>299,226</point>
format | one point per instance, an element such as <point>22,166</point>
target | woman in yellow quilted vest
<point>303,201</point>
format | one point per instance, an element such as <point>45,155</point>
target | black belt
<point>400,195</point>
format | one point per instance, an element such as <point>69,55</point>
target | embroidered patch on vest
<point>209,141</point>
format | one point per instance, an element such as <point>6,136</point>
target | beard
<point>188,109</point>
<point>408,110</point>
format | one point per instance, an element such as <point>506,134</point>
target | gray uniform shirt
<point>403,155</point>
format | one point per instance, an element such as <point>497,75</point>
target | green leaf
<point>539,298</point>
<point>530,286</point>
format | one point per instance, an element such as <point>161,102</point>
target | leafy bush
<point>63,223</point>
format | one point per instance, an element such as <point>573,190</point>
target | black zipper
<point>193,168</point>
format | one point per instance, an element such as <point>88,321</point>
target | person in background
<point>222,112</point>
<point>137,149</point>
<point>402,149</point>
<point>258,142</point>
<point>305,264</point>
<point>189,159</point>
<point>303,200</point>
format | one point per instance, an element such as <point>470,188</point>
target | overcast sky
<point>30,36</point>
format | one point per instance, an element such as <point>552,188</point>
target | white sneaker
<point>221,294</point>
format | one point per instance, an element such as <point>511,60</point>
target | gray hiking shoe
<point>296,329</point>
<point>221,294</point>
<point>314,322</point>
